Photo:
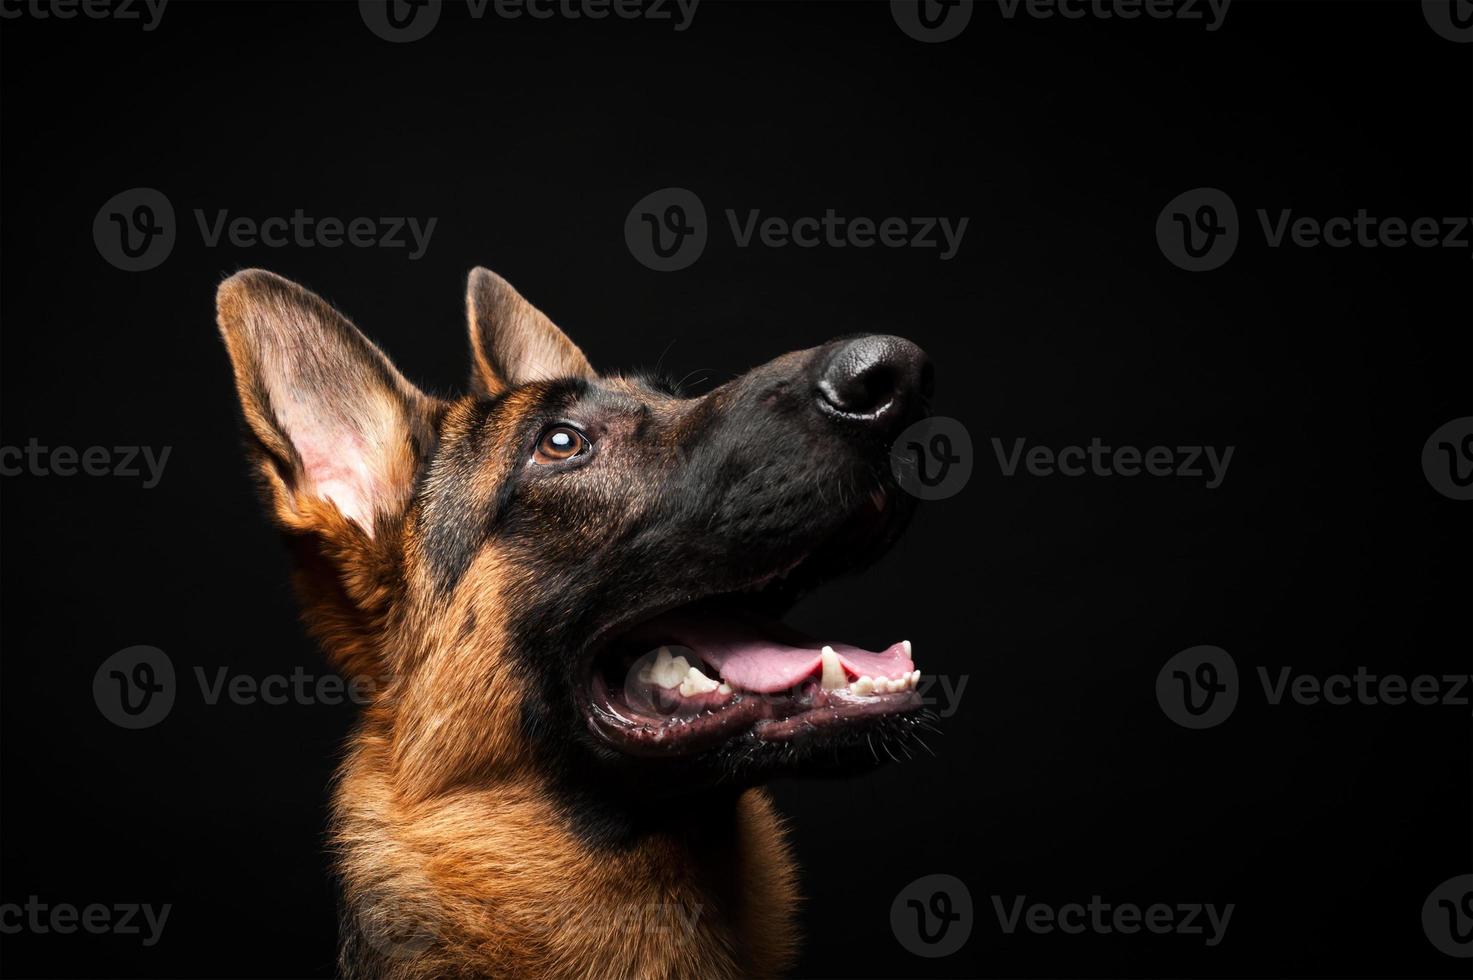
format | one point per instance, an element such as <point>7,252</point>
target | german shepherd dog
<point>563,589</point>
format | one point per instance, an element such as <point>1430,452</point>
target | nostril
<point>862,393</point>
<point>863,377</point>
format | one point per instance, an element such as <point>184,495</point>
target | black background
<point>1058,599</point>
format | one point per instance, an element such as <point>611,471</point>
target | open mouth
<point>723,668</point>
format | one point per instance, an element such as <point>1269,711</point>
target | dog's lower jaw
<point>492,881</point>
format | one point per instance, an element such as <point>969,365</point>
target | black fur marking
<point>564,391</point>
<point>456,520</point>
<point>451,528</point>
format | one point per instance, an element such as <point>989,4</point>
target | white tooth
<point>649,672</point>
<point>833,671</point>
<point>695,683</point>
<point>915,678</point>
<point>865,685</point>
<point>667,671</point>
<point>905,645</point>
<point>724,688</point>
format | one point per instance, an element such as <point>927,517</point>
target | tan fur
<point>485,880</point>
<point>454,857</point>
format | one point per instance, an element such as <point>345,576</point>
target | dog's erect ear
<point>337,430</point>
<point>512,342</point>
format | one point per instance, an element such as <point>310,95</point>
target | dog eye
<point>559,443</point>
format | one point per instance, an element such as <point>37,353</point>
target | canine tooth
<point>865,685</point>
<point>695,683</point>
<point>833,670</point>
<point>905,645</point>
<point>723,688</point>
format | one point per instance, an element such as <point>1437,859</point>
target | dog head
<point>574,572</point>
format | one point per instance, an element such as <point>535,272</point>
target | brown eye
<point>559,443</point>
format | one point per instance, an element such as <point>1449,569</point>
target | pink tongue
<point>767,657</point>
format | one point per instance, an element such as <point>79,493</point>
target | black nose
<point>873,379</point>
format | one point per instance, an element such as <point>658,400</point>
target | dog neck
<point>498,879</point>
